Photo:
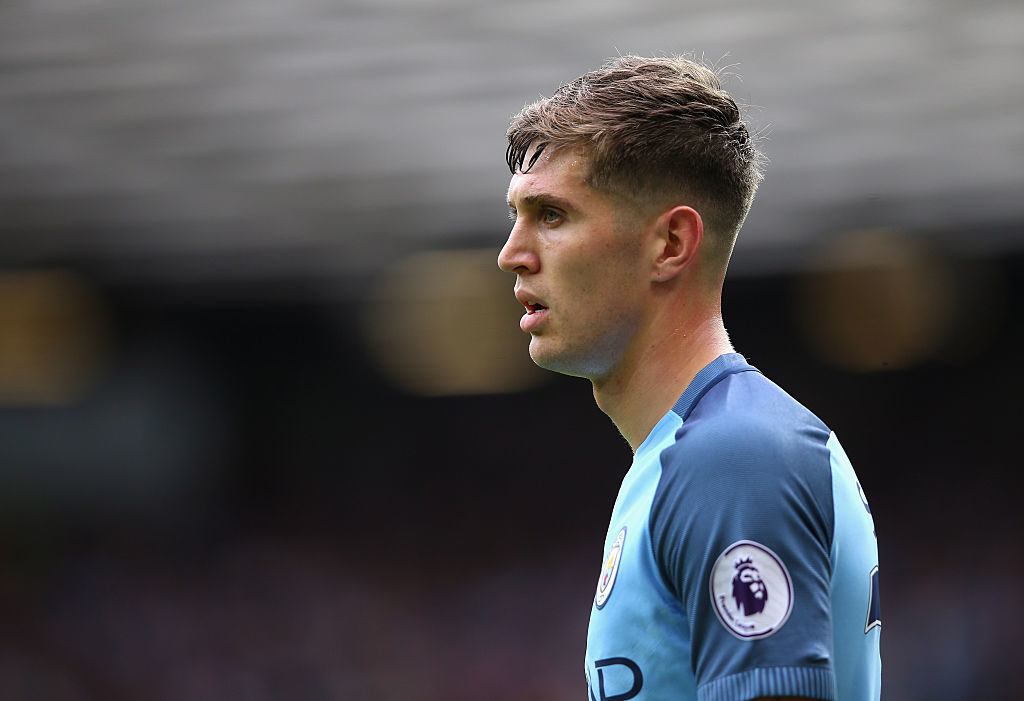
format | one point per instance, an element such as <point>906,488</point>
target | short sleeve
<point>741,529</point>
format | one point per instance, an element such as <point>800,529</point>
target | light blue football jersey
<point>740,560</point>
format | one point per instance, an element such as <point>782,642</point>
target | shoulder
<point>745,423</point>
<point>746,485</point>
<point>748,453</point>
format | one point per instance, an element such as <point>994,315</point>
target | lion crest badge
<point>751,590</point>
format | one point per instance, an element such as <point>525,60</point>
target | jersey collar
<point>726,364</point>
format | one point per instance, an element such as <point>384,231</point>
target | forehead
<point>560,174</point>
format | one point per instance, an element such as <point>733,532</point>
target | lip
<point>533,317</point>
<point>531,321</point>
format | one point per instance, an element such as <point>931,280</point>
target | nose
<point>517,255</point>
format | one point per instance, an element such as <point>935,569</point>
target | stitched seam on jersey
<point>667,592</point>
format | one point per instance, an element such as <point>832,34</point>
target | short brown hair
<point>651,127</point>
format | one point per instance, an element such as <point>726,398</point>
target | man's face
<point>580,268</point>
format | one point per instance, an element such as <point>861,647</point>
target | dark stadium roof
<point>249,139</point>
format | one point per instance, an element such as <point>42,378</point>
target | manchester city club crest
<point>751,590</point>
<point>610,570</point>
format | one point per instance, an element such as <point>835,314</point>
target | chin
<point>560,360</point>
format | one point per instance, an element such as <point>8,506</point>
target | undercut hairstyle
<point>653,130</point>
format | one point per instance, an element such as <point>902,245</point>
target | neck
<point>643,388</point>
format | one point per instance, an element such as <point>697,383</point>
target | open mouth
<point>533,308</point>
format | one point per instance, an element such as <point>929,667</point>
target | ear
<point>680,233</point>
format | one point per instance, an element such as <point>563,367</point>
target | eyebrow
<point>541,199</point>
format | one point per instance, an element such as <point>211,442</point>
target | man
<point>740,562</point>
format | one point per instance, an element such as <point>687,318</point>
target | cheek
<point>599,283</point>
<point>618,282</point>
<point>600,296</point>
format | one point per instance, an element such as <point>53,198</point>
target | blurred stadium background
<point>267,425</point>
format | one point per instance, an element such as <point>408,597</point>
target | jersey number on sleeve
<point>874,617</point>
<point>874,606</point>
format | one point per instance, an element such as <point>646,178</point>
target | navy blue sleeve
<point>741,528</point>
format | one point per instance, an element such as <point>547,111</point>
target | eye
<point>550,216</point>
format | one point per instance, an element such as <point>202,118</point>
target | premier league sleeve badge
<point>751,590</point>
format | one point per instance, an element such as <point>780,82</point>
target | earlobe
<point>680,238</point>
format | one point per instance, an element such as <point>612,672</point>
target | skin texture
<point>573,253</point>
<point>629,302</point>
